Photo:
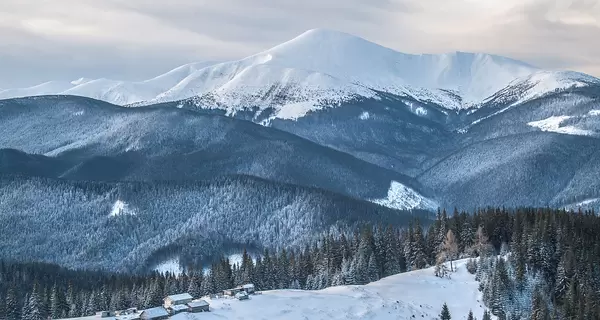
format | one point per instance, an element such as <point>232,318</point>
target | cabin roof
<point>179,307</point>
<point>155,312</point>
<point>181,296</point>
<point>198,303</point>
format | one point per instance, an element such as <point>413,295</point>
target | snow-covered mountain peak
<point>327,67</point>
<point>318,68</point>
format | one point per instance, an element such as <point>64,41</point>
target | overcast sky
<point>44,40</point>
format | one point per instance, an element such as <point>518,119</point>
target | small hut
<point>174,299</point>
<point>198,306</point>
<point>249,288</point>
<point>105,314</point>
<point>178,308</point>
<point>157,313</point>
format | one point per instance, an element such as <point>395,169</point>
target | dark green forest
<point>533,264</point>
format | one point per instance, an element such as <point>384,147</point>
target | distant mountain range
<point>322,68</point>
<point>332,116</point>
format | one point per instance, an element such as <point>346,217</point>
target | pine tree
<point>13,311</point>
<point>194,286</point>
<point>2,303</point>
<point>408,247</point>
<point>441,230</point>
<point>486,315</point>
<point>33,309</point>
<point>470,316</point>
<point>56,307</point>
<point>418,248</point>
<point>539,310</point>
<point>391,264</point>
<point>467,235</point>
<point>482,244</point>
<point>445,314</point>
<point>372,269</point>
<point>71,303</point>
<point>563,274</point>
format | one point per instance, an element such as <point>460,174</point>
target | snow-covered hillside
<point>318,68</point>
<point>404,198</point>
<point>413,295</point>
<point>113,91</point>
<point>540,83</point>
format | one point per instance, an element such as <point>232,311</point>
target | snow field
<point>417,293</point>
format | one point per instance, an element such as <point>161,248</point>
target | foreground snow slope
<point>418,293</point>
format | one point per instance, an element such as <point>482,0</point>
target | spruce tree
<point>418,248</point>
<point>486,315</point>
<point>470,316</point>
<point>58,303</point>
<point>33,311</point>
<point>445,314</point>
<point>2,304</point>
<point>13,311</point>
<point>391,264</point>
<point>372,269</point>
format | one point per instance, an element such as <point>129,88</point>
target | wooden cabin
<point>174,299</point>
<point>157,313</point>
<point>198,306</point>
<point>105,314</point>
<point>249,288</point>
<point>178,308</point>
<point>232,292</point>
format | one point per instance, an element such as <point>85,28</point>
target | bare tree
<point>450,248</point>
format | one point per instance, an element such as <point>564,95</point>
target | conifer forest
<point>530,263</point>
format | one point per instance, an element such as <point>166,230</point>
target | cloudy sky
<point>44,40</point>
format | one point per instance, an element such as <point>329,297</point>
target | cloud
<point>134,39</point>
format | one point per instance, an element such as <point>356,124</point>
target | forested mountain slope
<point>120,226</point>
<point>87,139</point>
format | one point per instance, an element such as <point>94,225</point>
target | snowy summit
<point>319,68</point>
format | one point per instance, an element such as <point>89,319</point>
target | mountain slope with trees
<point>126,226</point>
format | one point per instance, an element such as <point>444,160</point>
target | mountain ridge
<point>319,68</point>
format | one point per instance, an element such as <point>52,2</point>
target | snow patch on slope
<point>412,295</point>
<point>592,203</point>
<point>121,208</point>
<point>404,198</point>
<point>553,124</point>
<point>171,266</point>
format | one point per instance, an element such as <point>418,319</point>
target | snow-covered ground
<point>172,266</point>
<point>554,124</point>
<point>121,208</point>
<point>404,198</point>
<point>413,295</point>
